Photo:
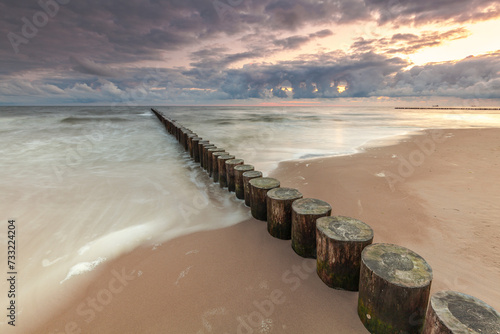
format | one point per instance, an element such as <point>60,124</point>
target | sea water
<point>88,184</point>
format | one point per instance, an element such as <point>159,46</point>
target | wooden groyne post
<point>394,287</point>
<point>215,164</point>
<point>210,153</point>
<point>305,211</point>
<point>247,176</point>
<point>238,179</point>
<point>455,312</point>
<point>279,211</point>
<point>230,165</point>
<point>221,160</point>
<point>258,191</point>
<point>339,243</point>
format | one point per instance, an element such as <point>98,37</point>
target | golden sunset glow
<point>481,40</point>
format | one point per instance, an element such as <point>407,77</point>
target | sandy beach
<point>435,192</point>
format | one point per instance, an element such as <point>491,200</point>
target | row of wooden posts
<point>393,282</point>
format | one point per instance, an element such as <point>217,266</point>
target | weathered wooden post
<point>210,153</point>
<point>222,169</point>
<point>394,287</point>
<point>230,164</point>
<point>181,135</point>
<point>171,126</point>
<point>176,130</point>
<point>238,179</point>
<point>200,150</point>
<point>279,211</point>
<point>305,211</point>
<point>258,194</point>
<point>186,134</point>
<point>452,312</point>
<point>205,155</point>
<point>215,165</point>
<point>247,176</point>
<point>205,148</point>
<point>190,143</point>
<point>339,243</point>
<point>196,153</point>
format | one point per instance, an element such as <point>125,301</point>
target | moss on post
<point>247,176</point>
<point>221,160</point>
<point>279,211</point>
<point>452,312</point>
<point>200,150</point>
<point>238,179</point>
<point>230,164</point>
<point>210,153</point>
<point>258,193</point>
<point>339,243</point>
<point>215,165</point>
<point>394,287</point>
<point>205,149</point>
<point>305,211</point>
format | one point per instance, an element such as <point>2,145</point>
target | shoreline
<point>241,279</point>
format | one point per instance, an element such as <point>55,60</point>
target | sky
<point>249,52</point>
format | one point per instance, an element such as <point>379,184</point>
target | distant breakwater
<point>449,108</point>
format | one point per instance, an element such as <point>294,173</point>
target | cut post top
<point>253,173</point>
<point>344,228</point>
<point>244,168</point>
<point>219,153</point>
<point>215,149</point>
<point>462,313</point>
<point>225,157</point>
<point>397,265</point>
<point>311,206</point>
<point>283,194</point>
<point>264,182</point>
<point>234,161</point>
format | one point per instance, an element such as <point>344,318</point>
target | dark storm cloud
<point>294,42</point>
<point>408,43</point>
<point>363,73</point>
<point>88,66</point>
<point>367,75</point>
<point>316,76</point>
<point>46,33</point>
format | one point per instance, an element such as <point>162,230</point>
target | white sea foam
<point>82,267</point>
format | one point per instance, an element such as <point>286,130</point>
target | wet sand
<point>435,192</point>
